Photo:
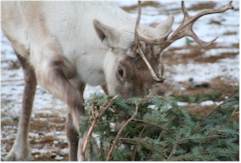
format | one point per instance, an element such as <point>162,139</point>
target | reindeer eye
<point>121,73</point>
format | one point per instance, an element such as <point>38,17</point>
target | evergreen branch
<point>92,126</point>
<point>150,124</point>
<point>174,148</point>
<point>135,148</point>
<point>173,151</point>
<point>171,133</point>
<point>201,138</point>
<point>109,155</point>
<point>133,141</point>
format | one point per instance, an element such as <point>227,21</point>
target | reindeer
<point>62,46</point>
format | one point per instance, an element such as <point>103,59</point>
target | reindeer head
<point>125,72</point>
<point>133,62</point>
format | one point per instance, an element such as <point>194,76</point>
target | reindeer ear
<point>108,35</point>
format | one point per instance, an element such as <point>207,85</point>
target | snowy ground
<point>47,129</point>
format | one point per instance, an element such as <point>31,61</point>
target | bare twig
<point>109,155</point>
<point>92,126</point>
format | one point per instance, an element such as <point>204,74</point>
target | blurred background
<point>190,70</point>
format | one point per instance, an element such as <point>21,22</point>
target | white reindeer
<point>64,45</point>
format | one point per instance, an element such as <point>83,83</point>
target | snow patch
<point>227,68</point>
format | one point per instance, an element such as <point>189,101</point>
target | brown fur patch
<point>138,79</point>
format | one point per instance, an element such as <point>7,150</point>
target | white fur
<point>70,24</point>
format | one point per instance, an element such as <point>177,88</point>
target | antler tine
<point>154,75</point>
<point>147,40</point>
<point>185,29</point>
<point>138,23</point>
<point>139,50</point>
<point>214,11</point>
<point>191,33</point>
<point>184,10</point>
<point>200,42</point>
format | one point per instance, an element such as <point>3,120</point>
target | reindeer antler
<point>166,39</point>
<point>186,28</point>
<point>139,50</point>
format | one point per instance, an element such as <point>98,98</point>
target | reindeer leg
<point>73,138</point>
<point>20,149</point>
<point>72,134</point>
<point>104,87</point>
<point>53,78</point>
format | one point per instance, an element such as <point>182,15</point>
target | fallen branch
<point>109,155</point>
<point>171,132</point>
<point>136,146</point>
<point>174,148</point>
<point>97,115</point>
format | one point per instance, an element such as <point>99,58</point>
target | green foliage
<point>214,95</point>
<point>164,131</point>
